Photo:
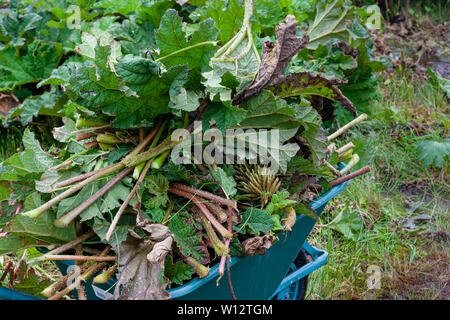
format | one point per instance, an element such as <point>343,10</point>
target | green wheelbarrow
<point>281,273</point>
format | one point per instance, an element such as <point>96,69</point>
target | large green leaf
<point>171,38</point>
<point>14,25</point>
<point>313,134</point>
<point>177,272</point>
<point>187,237</point>
<point>35,65</point>
<point>334,20</point>
<point>134,96</point>
<point>432,152</point>
<point>227,16</point>
<point>42,228</point>
<point>224,114</point>
<point>32,160</point>
<point>255,221</point>
<point>14,242</point>
<point>266,111</point>
<point>44,104</point>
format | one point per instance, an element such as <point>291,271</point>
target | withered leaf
<point>141,265</point>
<point>275,58</point>
<point>257,245</point>
<point>304,83</point>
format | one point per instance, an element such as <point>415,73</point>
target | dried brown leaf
<point>141,265</point>
<point>257,245</point>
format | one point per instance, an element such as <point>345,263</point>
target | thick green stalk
<point>136,159</point>
<point>347,126</point>
<point>105,276</point>
<point>207,195</point>
<point>126,202</point>
<point>158,162</point>
<point>66,219</point>
<point>86,123</point>
<point>201,270</point>
<point>38,211</point>
<point>353,161</point>
<point>108,138</point>
<point>219,246</point>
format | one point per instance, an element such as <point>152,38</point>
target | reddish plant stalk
<point>227,244</point>
<point>127,201</point>
<point>224,232</point>
<point>350,176</point>
<point>216,210</point>
<point>85,136</point>
<point>79,178</point>
<point>62,165</point>
<point>230,285</point>
<point>66,219</point>
<point>207,195</point>
<point>70,244</point>
<point>219,247</point>
<point>78,258</point>
<point>86,275</point>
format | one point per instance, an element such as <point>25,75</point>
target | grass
<point>411,265</point>
<point>10,141</point>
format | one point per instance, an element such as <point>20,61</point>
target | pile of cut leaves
<point>108,192</point>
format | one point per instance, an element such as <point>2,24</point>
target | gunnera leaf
<point>275,57</point>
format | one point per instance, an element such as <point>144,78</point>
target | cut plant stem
<point>347,126</point>
<point>78,178</point>
<point>224,232</point>
<point>331,148</point>
<point>207,195</point>
<point>227,244</point>
<point>83,123</point>
<point>90,129</point>
<point>126,202</point>
<point>90,145</point>
<point>158,162</point>
<point>58,257</point>
<point>335,171</point>
<point>38,211</point>
<point>62,165</point>
<point>216,210</point>
<point>66,219</point>
<point>107,138</point>
<point>105,147</point>
<point>219,246</point>
<point>353,161</point>
<point>201,270</point>
<point>85,136</point>
<point>93,269</point>
<point>105,276</point>
<point>57,285</point>
<point>346,147</point>
<point>100,174</point>
<point>69,245</point>
<point>136,159</point>
<point>347,155</point>
<point>350,176</point>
